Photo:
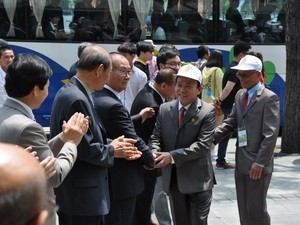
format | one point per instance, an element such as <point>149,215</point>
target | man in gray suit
<point>181,139</point>
<point>27,82</point>
<point>255,115</point>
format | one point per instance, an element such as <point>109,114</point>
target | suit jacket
<point>147,97</point>
<point>189,145</point>
<point>126,176</point>
<point>85,191</point>
<point>261,121</point>
<point>17,127</point>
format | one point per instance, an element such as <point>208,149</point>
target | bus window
<point>176,21</point>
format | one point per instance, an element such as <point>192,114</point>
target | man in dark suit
<point>182,142</point>
<point>152,95</point>
<point>83,197</point>
<point>126,176</point>
<point>255,115</point>
<point>168,57</point>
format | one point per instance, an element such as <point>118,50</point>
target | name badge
<point>242,138</point>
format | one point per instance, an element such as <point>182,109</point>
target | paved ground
<point>283,196</point>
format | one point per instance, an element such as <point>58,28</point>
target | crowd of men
<point>111,163</point>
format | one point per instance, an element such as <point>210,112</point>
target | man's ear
<point>99,70</point>
<point>35,90</point>
<point>41,218</point>
<point>163,86</point>
<point>200,89</point>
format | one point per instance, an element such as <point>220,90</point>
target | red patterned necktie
<point>181,115</point>
<point>245,103</point>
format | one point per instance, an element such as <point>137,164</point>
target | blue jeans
<point>223,143</point>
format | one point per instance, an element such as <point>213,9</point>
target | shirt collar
<point>186,107</point>
<point>27,108</point>
<point>113,91</point>
<point>141,61</point>
<point>152,86</point>
<point>86,89</point>
<point>254,89</point>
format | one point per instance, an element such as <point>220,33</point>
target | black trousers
<point>142,214</point>
<point>189,209</point>
<point>65,219</point>
<point>121,212</point>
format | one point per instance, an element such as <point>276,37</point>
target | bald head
<point>92,57</point>
<point>22,186</point>
<point>94,67</point>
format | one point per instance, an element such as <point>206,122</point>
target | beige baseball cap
<point>190,71</point>
<point>249,62</point>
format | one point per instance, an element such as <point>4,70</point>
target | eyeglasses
<point>123,71</point>
<point>244,75</point>
<point>173,64</point>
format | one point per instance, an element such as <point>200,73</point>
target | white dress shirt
<point>3,94</point>
<point>136,83</point>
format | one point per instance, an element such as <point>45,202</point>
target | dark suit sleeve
<point>156,137</point>
<point>136,120</point>
<point>119,123</point>
<point>93,150</point>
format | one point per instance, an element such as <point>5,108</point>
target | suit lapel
<point>78,84</point>
<point>111,94</point>
<point>173,113</point>
<point>193,110</point>
<point>255,97</point>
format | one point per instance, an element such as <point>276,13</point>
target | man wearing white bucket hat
<point>181,139</point>
<point>255,115</point>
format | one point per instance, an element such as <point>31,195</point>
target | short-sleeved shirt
<point>230,75</point>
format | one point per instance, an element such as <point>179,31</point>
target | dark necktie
<point>181,115</point>
<point>245,101</point>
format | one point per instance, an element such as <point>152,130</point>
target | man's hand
<point>75,128</point>
<point>49,164</point>
<point>124,148</point>
<point>146,113</point>
<point>255,172</point>
<point>31,152</point>
<point>162,159</point>
<point>217,103</point>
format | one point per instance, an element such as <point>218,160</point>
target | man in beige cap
<point>255,115</point>
<point>181,139</point>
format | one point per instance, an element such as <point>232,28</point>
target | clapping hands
<point>124,148</point>
<point>75,128</point>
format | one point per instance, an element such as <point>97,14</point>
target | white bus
<point>55,31</point>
